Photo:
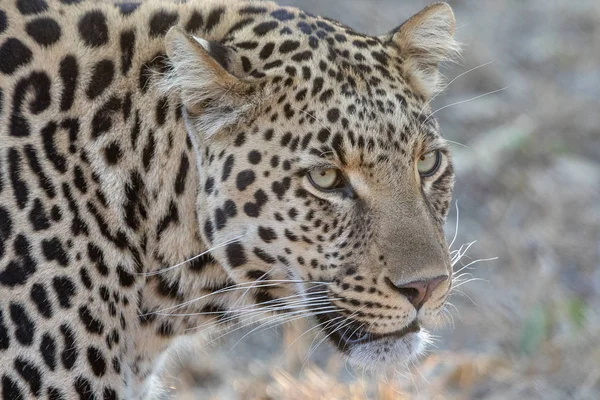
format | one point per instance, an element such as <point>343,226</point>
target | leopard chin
<point>388,353</point>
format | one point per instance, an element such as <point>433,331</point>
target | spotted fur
<point>134,137</point>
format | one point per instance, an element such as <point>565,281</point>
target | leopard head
<point>322,172</point>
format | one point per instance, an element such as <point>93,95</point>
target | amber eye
<point>325,178</point>
<point>429,163</point>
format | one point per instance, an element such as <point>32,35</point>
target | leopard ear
<point>424,41</point>
<point>213,98</point>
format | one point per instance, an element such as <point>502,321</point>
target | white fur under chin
<point>389,353</point>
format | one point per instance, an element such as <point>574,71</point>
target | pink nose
<point>418,292</point>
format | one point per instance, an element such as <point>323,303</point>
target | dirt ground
<point>526,122</point>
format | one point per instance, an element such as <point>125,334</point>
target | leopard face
<point>166,166</point>
<point>324,179</point>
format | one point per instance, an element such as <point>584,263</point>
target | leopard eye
<point>429,163</point>
<point>325,178</point>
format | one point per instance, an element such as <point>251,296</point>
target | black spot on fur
<point>30,374</point>
<point>245,179</point>
<point>265,27</point>
<point>102,76</point>
<point>214,18</point>
<point>134,205</point>
<point>65,290</point>
<point>43,180</point>
<point>20,189</point>
<point>220,219</point>
<point>209,230</point>
<point>112,153</point>
<point>266,51</point>
<point>93,28</point>
<point>302,56</point>
<point>264,256</point>
<point>227,166</point>
<point>184,166</point>
<point>13,55</point>
<point>96,361</point>
<point>69,354</point>
<point>39,296</point>
<point>91,323</point>
<point>254,157</point>
<point>3,21</point>
<point>252,10</point>
<point>333,115</point>
<point>288,46</point>
<point>4,338</point>
<point>162,108</point>
<point>102,121</point>
<point>280,188</point>
<point>53,251</point>
<point>11,389</point>
<point>253,209</point>
<point>97,257</point>
<point>84,388</point>
<point>109,394</point>
<point>239,26</point>
<point>48,351</point>
<point>236,256</point>
<point>127,42</point>
<point>24,325</point>
<point>45,31</point>
<point>267,234</point>
<point>195,22</point>
<point>69,72</point>
<point>127,8</point>
<point>39,83</point>
<point>161,21</point>
<point>172,217</point>
<point>38,217</point>
<point>148,153</point>
<point>323,135</point>
<point>27,7</point>
<point>18,270</point>
<point>54,393</point>
<point>126,279</point>
<point>283,15</point>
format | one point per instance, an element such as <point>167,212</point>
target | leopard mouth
<point>347,334</point>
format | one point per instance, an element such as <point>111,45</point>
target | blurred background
<point>526,122</point>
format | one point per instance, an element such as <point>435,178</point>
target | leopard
<point>174,167</point>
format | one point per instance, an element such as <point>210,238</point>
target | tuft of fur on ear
<point>214,99</point>
<point>425,40</point>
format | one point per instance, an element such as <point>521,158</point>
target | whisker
<point>313,117</point>
<point>466,295</point>
<point>450,83</point>
<point>271,320</point>
<point>308,330</point>
<point>322,310</point>
<point>249,307</point>
<point>239,286</point>
<point>464,101</point>
<point>254,313</point>
<point>161,271</point>
<point>456,227</point>
<point>468,281</point>
<point>341,326</point>
<point>251,286</point>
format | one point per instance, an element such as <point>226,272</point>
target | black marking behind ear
<point>220,53</point>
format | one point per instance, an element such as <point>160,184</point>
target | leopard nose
<point>418,292</point>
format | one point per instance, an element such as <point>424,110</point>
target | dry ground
<point>528,191</point>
